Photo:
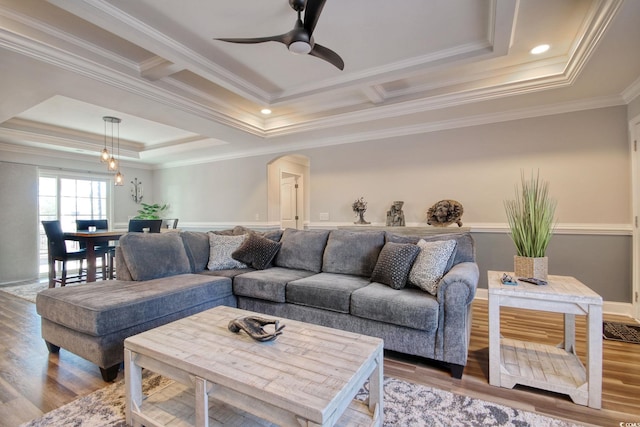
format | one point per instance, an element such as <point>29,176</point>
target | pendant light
<point>112,163</point>
<point>104,155</point>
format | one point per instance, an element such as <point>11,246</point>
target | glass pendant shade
<point>113,164</point>
<point>119,179</point>
<point>104,156</point>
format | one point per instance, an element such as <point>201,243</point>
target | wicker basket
<point>531,267</point>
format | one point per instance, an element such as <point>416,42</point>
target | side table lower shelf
<point>543,366</point>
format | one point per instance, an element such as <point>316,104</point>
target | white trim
<point>608,307</point>
<point>479,227</point>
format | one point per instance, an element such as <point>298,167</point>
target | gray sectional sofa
<point>360,281</point>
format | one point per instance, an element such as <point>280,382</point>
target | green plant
<point>151,211</point>
<point>531,217</point>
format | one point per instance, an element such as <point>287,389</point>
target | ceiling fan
<point>300,38</point>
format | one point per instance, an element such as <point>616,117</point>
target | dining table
<point>91,239</point>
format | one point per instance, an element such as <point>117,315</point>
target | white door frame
<point>634,140</point>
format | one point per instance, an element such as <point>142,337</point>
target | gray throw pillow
<point>394,264</point>
<point>431,264</point>
<point>221,248</point>
<point>256,251</point>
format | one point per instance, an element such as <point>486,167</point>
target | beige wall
<point>584,155</point>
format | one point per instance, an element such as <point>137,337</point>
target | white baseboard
<point>608,307</point>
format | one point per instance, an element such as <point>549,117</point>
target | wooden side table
<point>556,369</point>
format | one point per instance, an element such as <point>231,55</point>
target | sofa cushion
<point>431,264</point>
<point>352,252</point>
<point>302,249</point>
<point>394,264</point>
<point>220,249</point>
<point>196,243</point>
<point>152,255</point>
<point>408,307</point>
<point>465,246</point>
<point>267,284</point>
<point>105,307</point>
<point>256,251</point>
<point>327,291</point>
<point>230,273</point>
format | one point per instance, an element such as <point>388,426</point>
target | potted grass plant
<point>531,223</point>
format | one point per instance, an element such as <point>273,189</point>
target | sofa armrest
<point>122,271</point>
<point>466,273</point>
<point>455,293</point>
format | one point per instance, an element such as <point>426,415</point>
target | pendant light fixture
<point>104,155</point>
<point>113,164</point>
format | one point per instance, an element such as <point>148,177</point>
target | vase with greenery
<point>531,222</point>
<point>149,211</point>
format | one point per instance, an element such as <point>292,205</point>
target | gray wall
<point>601,262</point>
<point>19,224</point>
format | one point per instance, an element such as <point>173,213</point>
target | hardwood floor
<point>33,382</point>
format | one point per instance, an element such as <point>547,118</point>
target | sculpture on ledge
<point>444,213</point>
<point>395,216</point>
<point>253,326</point>
<point>360,207</point>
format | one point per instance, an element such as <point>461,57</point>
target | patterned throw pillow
<point>431,264</point>
<point>257,251</point>
<point>394,263</point>
<point>221,248</point>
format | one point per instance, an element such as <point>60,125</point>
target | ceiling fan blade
<point>311,14</point>
<point>282,38</point>
<point>328,55</point>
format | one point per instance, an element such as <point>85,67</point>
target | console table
<point>558,368</point>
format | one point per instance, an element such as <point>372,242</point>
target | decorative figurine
<point>360,207</point>
<point>395,216</point>
<point>444,213</point>
<point>253,326</point>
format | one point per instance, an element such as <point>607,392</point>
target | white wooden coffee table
<point>308,376</point>
<point>556,369</point>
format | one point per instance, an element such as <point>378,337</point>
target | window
<point>67,197</point>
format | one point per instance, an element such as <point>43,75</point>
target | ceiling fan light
<point>300,47</point>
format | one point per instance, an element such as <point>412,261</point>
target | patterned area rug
<point>29,290</point>
<point>405,404</point>
<point>621,332</point>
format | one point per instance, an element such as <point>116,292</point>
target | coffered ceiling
<point>411,66</point>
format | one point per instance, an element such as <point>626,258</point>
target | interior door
<point>288,201</point>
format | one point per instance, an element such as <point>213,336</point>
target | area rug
<point>28,291</point>
<point>405,404</point>
<point>621,332</point>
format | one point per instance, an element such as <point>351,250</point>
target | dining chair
<point>103,248</point>
<point>138,225</point>
<point>58,252</point>
<point>170,223</point>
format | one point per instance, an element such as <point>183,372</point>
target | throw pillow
<point>302,249</point>
<point>394,263</point>
<point>220,249</point>
<point>256,251</point>
<point>431,264</point>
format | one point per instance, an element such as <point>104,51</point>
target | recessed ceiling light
<point>540,49</point>
<point>265,111</point>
